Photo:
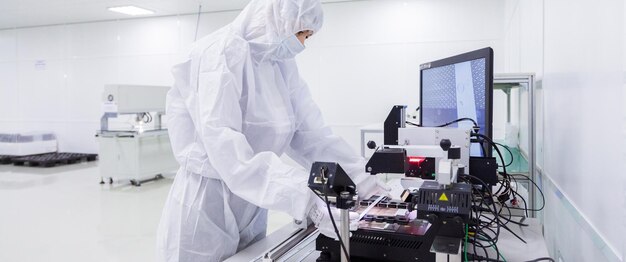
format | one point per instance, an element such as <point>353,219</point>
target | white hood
<point>267,23</point>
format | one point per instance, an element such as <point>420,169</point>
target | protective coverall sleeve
<point>259,178</point>
<point>315,141</point>
<point>178,117</point>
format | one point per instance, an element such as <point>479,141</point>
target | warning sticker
<point>443,197</point>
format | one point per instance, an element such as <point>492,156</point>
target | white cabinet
<point>136,157</point>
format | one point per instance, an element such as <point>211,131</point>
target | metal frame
<point>104,120</point>
<point>516,80</point>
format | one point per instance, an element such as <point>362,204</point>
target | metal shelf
<point>524,157</point>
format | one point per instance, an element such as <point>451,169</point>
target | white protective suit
<point>237,104</point>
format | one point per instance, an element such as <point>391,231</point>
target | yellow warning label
<point>443,197</point>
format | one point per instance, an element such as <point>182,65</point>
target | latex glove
<point>368,185</point>
<point>318,213</point>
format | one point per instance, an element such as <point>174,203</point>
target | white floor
<point>64,214</point>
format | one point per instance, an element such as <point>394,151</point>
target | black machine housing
<point>485,169</point>
<point>387,160</point>
<point>330,179</point>
<point>370,246</point>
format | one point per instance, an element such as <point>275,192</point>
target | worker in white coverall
<point>238,103</point>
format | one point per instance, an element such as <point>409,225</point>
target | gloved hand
<point>318,212</point>
<point>368,185</point>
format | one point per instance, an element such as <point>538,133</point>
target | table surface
<point>510,247</point>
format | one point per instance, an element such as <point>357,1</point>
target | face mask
<point>288,48</point>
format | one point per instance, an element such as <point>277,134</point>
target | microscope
<point>427,222</point>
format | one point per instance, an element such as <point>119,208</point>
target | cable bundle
<point>487,219</point>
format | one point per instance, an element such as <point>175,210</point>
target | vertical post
<point>343,204</point>
<point>362,143</point>
<point>345,233</point>
<point>104,120</point>
<point>531,138</point>
<point>157,121</point>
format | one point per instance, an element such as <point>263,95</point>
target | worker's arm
<point>315,141</point>
<point>260,178</point>
<point>190,155</point>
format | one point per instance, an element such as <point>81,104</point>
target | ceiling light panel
<point>131,10</point>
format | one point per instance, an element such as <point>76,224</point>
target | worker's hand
<point>369,185</point>
<point>321,218</point>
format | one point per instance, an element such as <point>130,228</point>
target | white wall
<point>365,57</point>
<point>368,53</point>
<point>64,97</point>
<point>577,50</point>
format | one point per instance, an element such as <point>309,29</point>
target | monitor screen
<point>459,87</point>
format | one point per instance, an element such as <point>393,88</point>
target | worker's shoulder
<point>221,46</point>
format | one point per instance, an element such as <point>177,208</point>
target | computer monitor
<point>459,87</point>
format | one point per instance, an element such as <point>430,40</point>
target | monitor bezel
<point>487,54</point>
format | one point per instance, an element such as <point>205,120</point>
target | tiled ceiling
<point>28,13</point>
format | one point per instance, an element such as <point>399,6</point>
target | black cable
<point>495,147</point>
<point>507,149</point>
<point>459,120</point>
<point>543,198</point>
<point>480,228</point>
<point>146,117</point>
<point>411,123</point>
<point>511,231</point>
<point>332,219</point>
<point>520,196</point>
<point>486,186</point>
<point>504,173</point>
<point>474,257</point>
<point>507,175</point>
<point>503,225</point>
<point>505,183</point>
<point>541,259</point>
<point>509,219</point>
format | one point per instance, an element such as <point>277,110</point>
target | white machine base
<point>138,158</point>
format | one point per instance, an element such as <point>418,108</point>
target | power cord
<point>541,259</point>
<point>486,219</point>
<point>413,124</point>
<point>507,177</point>
<point>476,127</point>
<point>510,153</point>
<point>543,198</point>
